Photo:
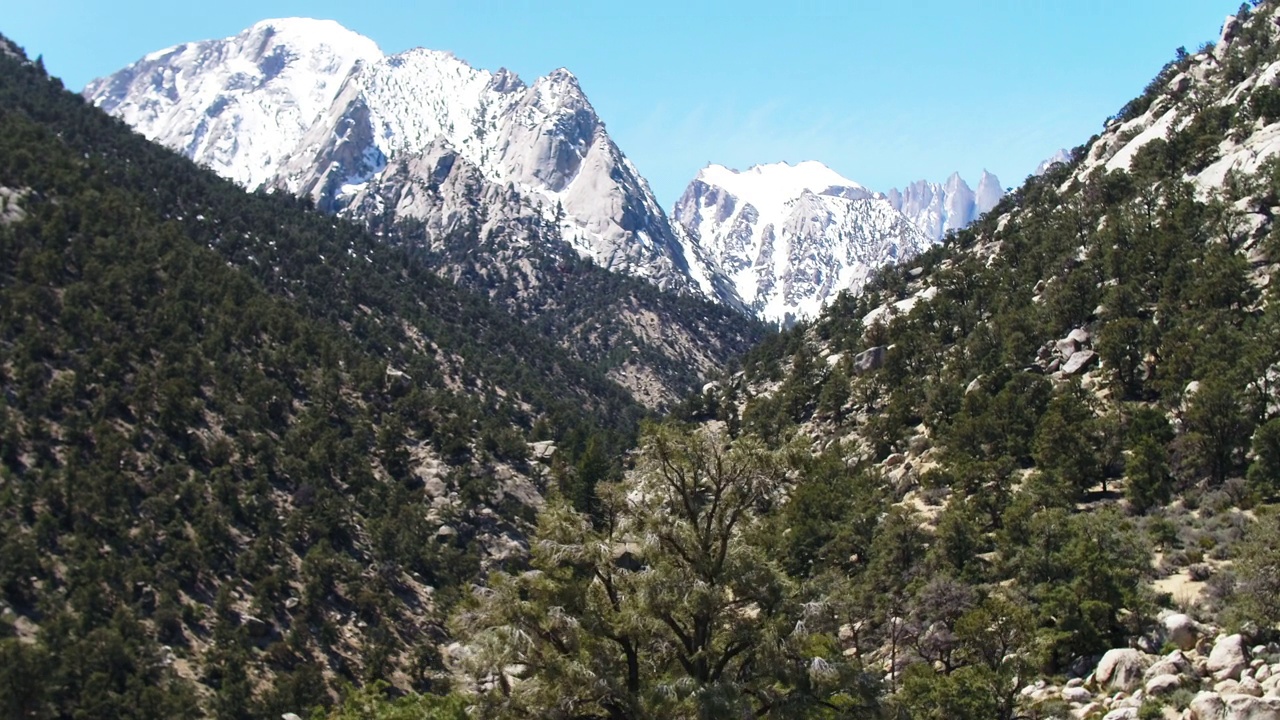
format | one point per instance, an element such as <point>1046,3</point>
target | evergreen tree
<point>671,608</point>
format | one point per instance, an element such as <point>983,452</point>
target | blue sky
<point>884,93</point>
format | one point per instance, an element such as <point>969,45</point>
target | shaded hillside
<point>248,451</point>
<point>660,346</point>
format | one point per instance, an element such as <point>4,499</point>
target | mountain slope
<point>249,451</point>
<point>1030,473</point>
<point>790,238</point>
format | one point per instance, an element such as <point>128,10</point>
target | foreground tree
<point>668,607</point>
<point>989,667</point>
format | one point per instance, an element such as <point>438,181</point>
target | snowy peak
<point>562,76</point>
<point>1061,156</point>
<point>778,183</point>
<point>238,105</point>
<point>312,108</point>
<point>505,81</point>
<point>937,209</point>
<point>302,32</point>
<point>988,194</point>
<point>788,238</point>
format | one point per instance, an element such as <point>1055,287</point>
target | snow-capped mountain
<point>938,208</point>
<point>789,238</point>
<point>1062,156</point>
<point>239,105</point>
<point>310,107</point>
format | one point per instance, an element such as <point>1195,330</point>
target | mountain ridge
<point>352,121</point>
<point>491,179</point>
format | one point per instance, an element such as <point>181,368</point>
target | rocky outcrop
<point>1232,681</point>
<point>869,360</point>
<point>1213,706</point>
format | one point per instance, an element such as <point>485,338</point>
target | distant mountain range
<point>311,108</point>
<point>791,237</point>
<point>938,208</point>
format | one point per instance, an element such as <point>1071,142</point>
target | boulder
<point>869,359</point>
<point>1044,694</point>
<point>1090,710</point>
<point>256,627</point>
<point>1182,630</point>
<point>1079,361</point>
<point>1175,663</point>
<point>1212,706</point>
<point>1121,669</point>
<point>1162,685</point>
<point>1066,347</point>
<point>544,449</point>
<point>1228,659</point>
<point>1077,695</point>
<point>1079,335</point>
<point>1038,686</point>
<point>1124,713</point>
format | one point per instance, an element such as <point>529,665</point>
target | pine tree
<point>669,607</point>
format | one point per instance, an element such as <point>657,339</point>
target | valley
<point>346,384</point>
